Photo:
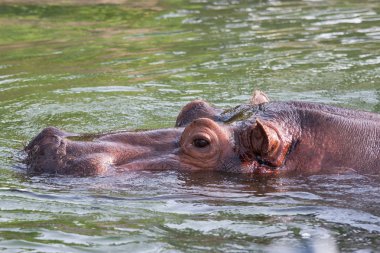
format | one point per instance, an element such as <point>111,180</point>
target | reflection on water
<point>194,211</point>
<point>100,68</point>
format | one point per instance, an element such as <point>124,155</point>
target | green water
<point>100,68</point>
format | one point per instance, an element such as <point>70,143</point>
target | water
<point>100,68</point>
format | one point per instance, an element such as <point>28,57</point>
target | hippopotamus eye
<point>201,143</point>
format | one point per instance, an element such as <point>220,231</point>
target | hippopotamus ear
<point>265,139</point>
<point>268,141</point>
<point>258,98</point>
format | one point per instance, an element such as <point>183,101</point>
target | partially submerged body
<point>261,137</point>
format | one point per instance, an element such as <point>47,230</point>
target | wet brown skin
<point>261,138</point>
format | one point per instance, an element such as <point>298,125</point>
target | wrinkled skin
<point>261,137</point>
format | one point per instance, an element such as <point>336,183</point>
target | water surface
<point>91,68</point>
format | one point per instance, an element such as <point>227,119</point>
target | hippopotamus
<point>260,137</point>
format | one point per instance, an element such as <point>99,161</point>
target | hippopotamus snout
<point>52,151</point>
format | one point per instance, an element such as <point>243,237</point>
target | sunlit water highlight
<point>101,68</point>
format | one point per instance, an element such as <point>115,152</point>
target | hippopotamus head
<point>204,138</point>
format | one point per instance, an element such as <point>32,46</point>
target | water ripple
<point>95,68</point>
